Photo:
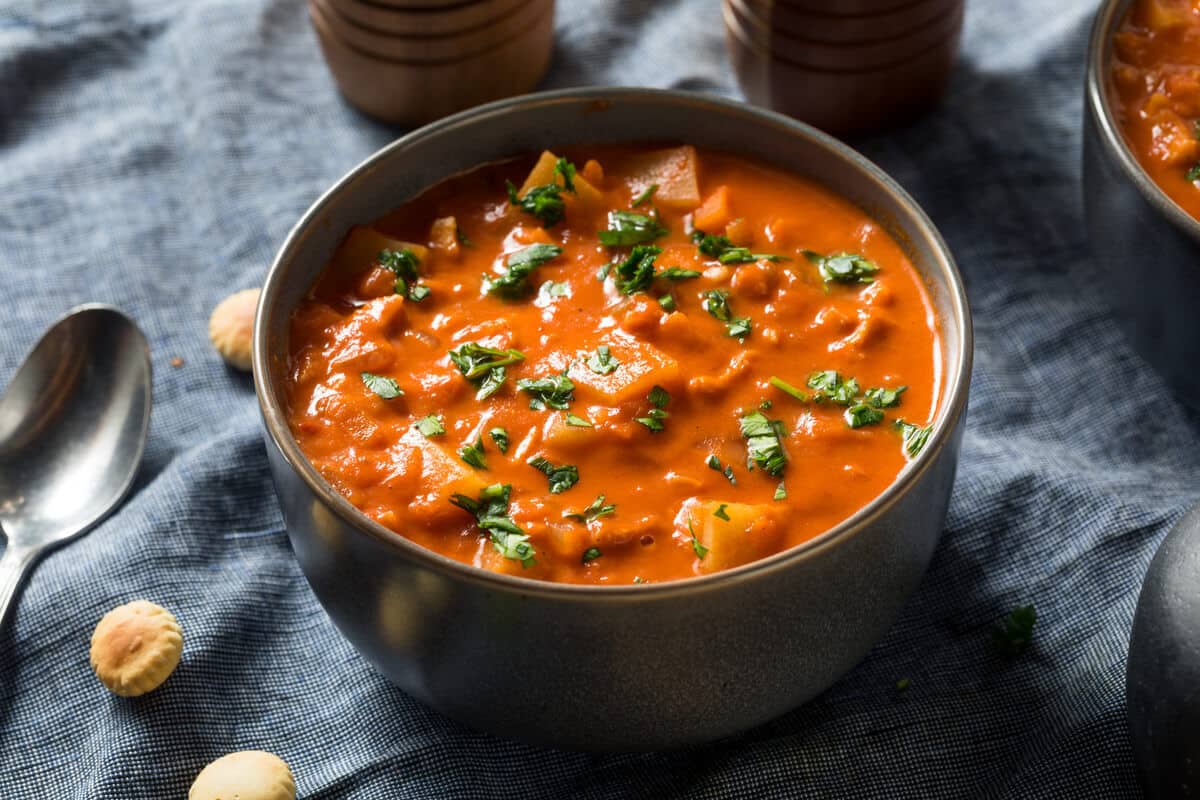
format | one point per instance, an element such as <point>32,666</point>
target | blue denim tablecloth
<point>153,154</point>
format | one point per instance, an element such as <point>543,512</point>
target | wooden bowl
<point>843,29</point>
<point>858,56</point>
<point>843,102</point>
<point>423,22</point>
<point>430,48</point>
<point>411,93</point>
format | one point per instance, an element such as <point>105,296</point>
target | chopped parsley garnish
<point>861,414</point>
<point>596,510</point>
<point>646,196</point>
<point>1193,173</point>
<point>915,437</point>
<point>678,274</point>
<point>764,443</point>
<point>484,366</point>
<point>404,263</point>
<point>561,478</point>
<point>1014,633</point>
<point>602,361</point>
<point>578,422</point>
<point>627,228</point>
<point>491,515</point>
<point>553,392</point>
<point>500,437</point>
<point>636,272</point>
<point>431,426</point>
<point>385,387</point>
<point>519,266</point>
<point>667,302</point>
<point>829,386</point>
<point>786,388</point>
<point>716,302</point>
<point>659,397</point>
<point>843,267</point>
<point>781,491</point>
<point>765,404</point>
<point>714,463</point>
<point>720,512</point>
<point>473,454</point>
<point>591,554</point>
<point>545,202</point>
<point>726,252</point>
<point>700,550</point>
<point>880,397</point>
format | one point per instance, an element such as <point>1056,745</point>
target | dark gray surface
<point>154,153</point>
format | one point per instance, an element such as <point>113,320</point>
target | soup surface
<point>627,365</point>
<point>1156,85</point>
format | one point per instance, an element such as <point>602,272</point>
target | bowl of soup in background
<point>621,667</point>
<point>1146,243</point>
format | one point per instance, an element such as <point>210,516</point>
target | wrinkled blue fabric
<point>154,153</point>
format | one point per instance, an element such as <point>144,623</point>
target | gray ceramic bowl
<point>614,667</point>
<point>1147,246</point>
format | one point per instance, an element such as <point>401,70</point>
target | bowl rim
<point>1097,99</point>
<point>945,423</point>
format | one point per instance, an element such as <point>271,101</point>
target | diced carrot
<point>713,213</point>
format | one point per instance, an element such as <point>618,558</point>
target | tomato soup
<point>1156,89</point>
<point>615,365</point>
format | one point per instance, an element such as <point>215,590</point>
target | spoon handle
<point>13,566</point>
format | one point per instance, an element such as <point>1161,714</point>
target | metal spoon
<point>73,425</point>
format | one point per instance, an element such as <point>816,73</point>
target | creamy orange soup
<point>1156,87</point>
<point>627,365</point>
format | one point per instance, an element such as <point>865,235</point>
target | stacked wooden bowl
<point>846,66</point>
<point>413,61</point>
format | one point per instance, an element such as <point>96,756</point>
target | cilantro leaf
<point>500,437</point>
<point>915,437</point>
<point>404,263</point>
<point>594,511</point>
<point>843,267</point>
<point>519,266</point>
<point>636,272</point>
<point>646,196</point>
<point>561,477</point>
<point>553,392</point>
<point>880,397</point>
<point>764,443</point>
<point>491,515</point>
<point>716,302</point>
<point>861,414</point>
<point>430,426</point>
<point>627,228</point>
<point>473,454</point>
<point>484,366</point>
<point>602,362</point>
<point>383,386</point>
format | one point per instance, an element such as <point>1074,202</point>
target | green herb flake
<point>561,478</point>
<point>553,392</point>
<point>627,228</point>
<point>602,362</point>
<point>720,248</point>
<point>404,263</point>
<point>546,202</point>
<point>566,170</point>
<point>699,549</point>
<point>484,366</point>
<point>646,196</point>
<point>915,437</point>
<point>667,302</point>
<point>519,266</point>
<point>843,267</point>
<point>593,512</point>
<point>491,515</point>
<point>765,404</point>
<point>636,272</point>
<point>678,274</point>
<point>781,491</point>
<point>473,454</point>
<point>1193,173</point>
<point>879,397</point>
<point>861,414</point>
<point>659,397</point>
<point>383,386</point>
<point>1013,634</point>
<point>764,443</point>
<point>720,512</point>
<point>500,437</point>
<point>829,386</point>
<point>716,302</point>
<point>578,422</point>
<point>591,554</point>
<point>431,426</point>
<point>714,463</point>
<point>788,389</point>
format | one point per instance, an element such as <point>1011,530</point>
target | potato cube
<point>362,246</point>
<point>750,533</point>
<point>673,170</point>
<point>642,367</point>
<point>543,173</point>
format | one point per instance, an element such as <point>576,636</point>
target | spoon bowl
<point>73,426</point>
